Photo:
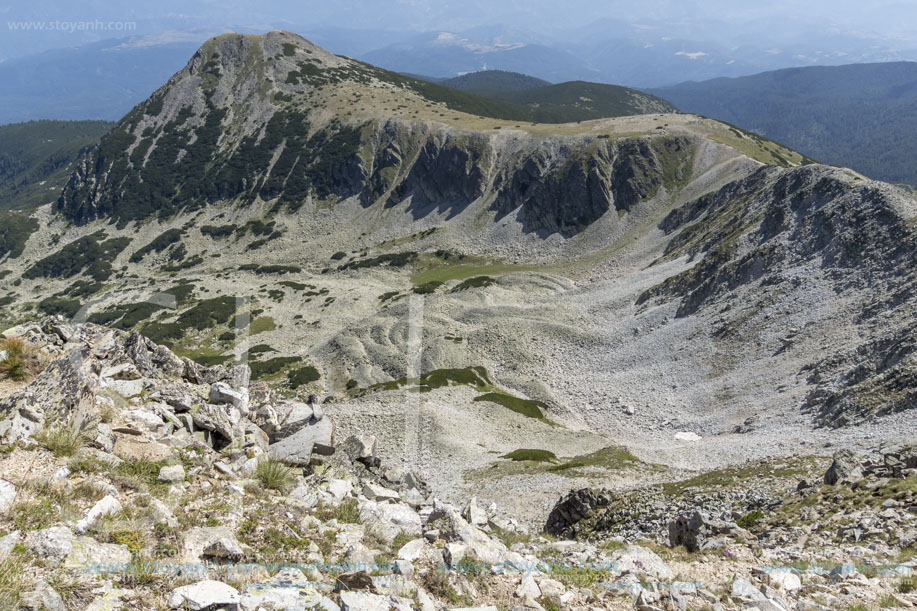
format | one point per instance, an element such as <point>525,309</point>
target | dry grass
<point>12,579</point>
<point>21,361</point>
<point>63,439</point>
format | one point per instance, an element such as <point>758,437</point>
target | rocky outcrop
<point>576,506</point>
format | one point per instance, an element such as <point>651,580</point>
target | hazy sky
<point>722,21</point>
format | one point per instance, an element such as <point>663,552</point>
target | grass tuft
<point>21,361</point>
<point>63,439</point>
<point>274,475</point>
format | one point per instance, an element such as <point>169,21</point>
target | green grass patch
<point>262,325</point>
<point>526,407</point>
<point>463,271</point>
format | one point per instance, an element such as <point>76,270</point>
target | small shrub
<point>302,376</point>
<point>534,455</point>
<point>907,584</point>
<point>475,282</point>
<point>348,512</point>
<point>750,519</point>
<point>274,475</point>
<point>428,288</point>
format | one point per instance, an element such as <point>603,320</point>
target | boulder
<point>363,601</point>
<point>288,589</point>
<point>207,594</point>
<point>695,531</point>
<point>845,468</point>
<point>172,474</point>
<point>577,505</point>
<point>106,507</point>
<point>221,394</point>
<point>95,558</point>
<point>53,544</point>
<point>42,597</point>
<point>210,542</point>
<point>388,520</point>
<point>297,449</point>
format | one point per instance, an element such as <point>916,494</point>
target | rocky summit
<point>302,333</point>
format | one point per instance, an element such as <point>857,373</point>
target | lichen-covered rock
<point>577,505</point>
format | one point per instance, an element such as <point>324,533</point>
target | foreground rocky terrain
<point>135,479</point>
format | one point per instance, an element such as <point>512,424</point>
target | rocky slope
<point>512,310</point>
<point>132,478</point>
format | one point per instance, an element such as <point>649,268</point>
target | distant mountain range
<point>862,116</point>
<point>103,79</point>
<point>560,103</point>
<point>97,81</point>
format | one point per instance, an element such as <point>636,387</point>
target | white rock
<point>53,543</point>
<point>411,550</point>
<point>288,589</point>
<point>528,588</point>
<point>363,601</point>
<point>387,520</point>
<point>222,393</point>
<point>785,579</point>
<point>106,507</point>
<point>375,492</point>
<point>172,474</point>
<point>339,488</point>
<point>687,436</point>
<point>474,514</point>
<point>7,494</point>
<point>204,594</point>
